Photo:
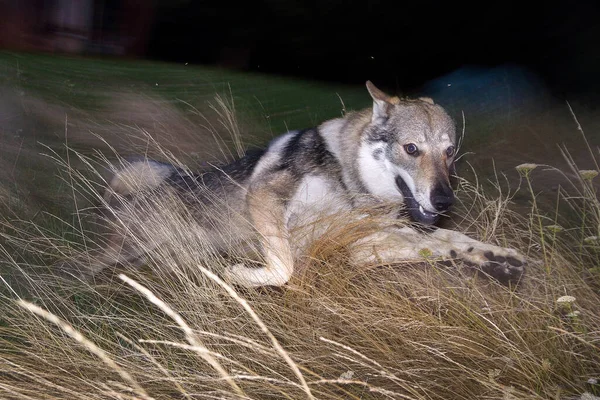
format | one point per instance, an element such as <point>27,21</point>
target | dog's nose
<point>442,198</point>
<point>442,203</point>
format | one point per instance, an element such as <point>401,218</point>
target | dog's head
<point>407,154</point>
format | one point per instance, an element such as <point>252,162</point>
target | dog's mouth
<point>416,211</point>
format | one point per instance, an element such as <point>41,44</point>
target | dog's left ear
<point>381,102</point>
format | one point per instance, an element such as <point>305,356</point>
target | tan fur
<point>267,212</point>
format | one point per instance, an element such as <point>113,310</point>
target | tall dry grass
<point>417,330</point>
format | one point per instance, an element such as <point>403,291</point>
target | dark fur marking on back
<point>244,167</point>
<point>237,171</point>
<point>306,153</point>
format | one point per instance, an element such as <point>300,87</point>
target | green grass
<point>83,82</point>
<point>42,93</point>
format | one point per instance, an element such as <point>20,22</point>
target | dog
<point>400,153</point>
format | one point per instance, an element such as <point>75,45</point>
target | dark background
<point>399,45</point>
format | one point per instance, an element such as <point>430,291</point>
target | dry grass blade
<point>420,329</point>
<point>189,333</point>
<point>90,346</point>
<point>263,328</point>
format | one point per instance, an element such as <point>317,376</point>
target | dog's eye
<point>411,149</point>
<point>450,151</point>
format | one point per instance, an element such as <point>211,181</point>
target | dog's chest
<point>315,197</point>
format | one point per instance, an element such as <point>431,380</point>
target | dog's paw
<point>240,274</point>
<point>234,274</point>
<point>505,265</point>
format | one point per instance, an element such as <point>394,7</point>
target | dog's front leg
<point>394,245</point>
<point>267,211</point>
<point>506,265</point>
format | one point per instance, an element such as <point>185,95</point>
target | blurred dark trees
<point>399,44</point>
<point>118,27</point>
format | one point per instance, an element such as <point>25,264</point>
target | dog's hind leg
<point>266,207</point>
<point>117,250</point>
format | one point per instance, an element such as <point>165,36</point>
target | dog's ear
<point>427,100</point>
<point>381,102</point>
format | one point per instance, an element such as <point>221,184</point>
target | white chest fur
<point>315,197</point>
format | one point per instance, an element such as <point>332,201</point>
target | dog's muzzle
<point>442,198</point>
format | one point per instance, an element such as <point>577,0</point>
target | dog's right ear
<point>381,102</point>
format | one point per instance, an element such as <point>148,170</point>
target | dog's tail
<point>138,176</point>
<point>134,176</point>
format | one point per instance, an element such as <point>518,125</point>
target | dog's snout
<point>442,197</point>
<point>442,203</point>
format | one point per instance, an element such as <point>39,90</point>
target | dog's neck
<point>340,136</point>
